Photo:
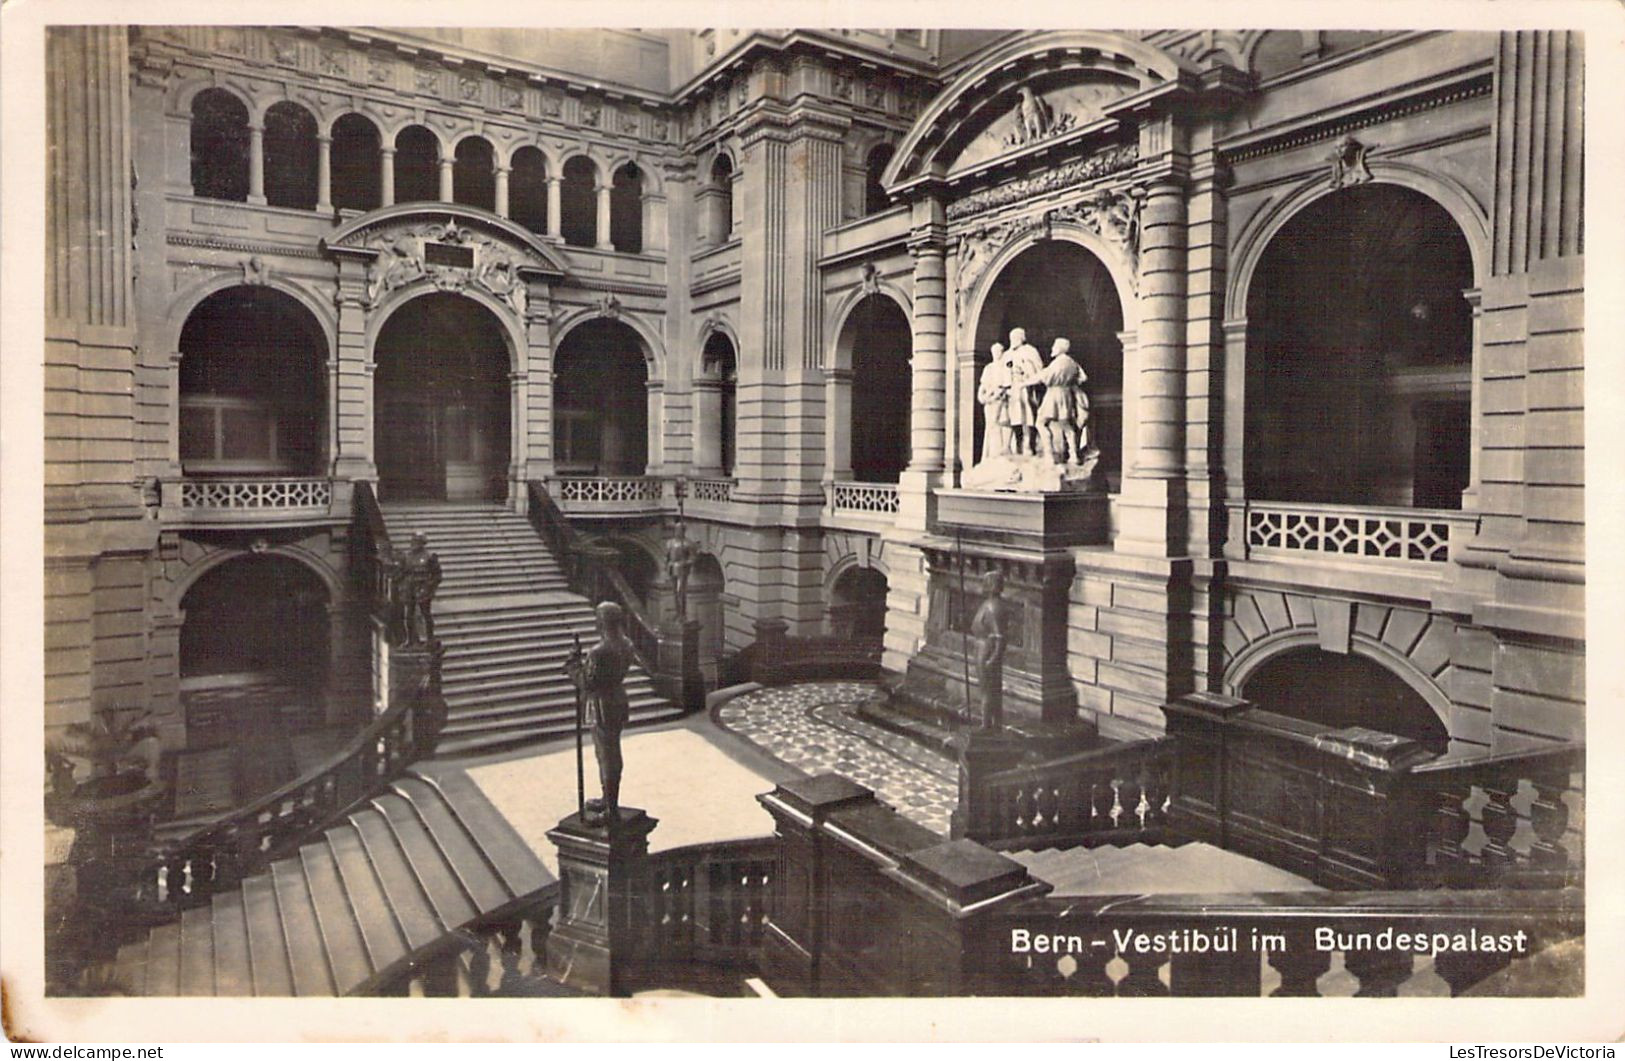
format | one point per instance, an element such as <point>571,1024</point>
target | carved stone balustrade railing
<point>250,500</point>
<point>611,495</point>
<point>1358,534</point>
<point>865,500</point>
<point>710,491</point>
<point>1117,795</point>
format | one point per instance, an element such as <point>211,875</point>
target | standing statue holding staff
<point>1065,408</point>
<point>417,579</point>
<point>988,627</point>
<point>600,676</point>
<point>680,553</point>
<point>993,392</point>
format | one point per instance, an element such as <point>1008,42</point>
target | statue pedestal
<point>981,752</point>
<point>677,674</point>
<point>1029,538</point>
<point>599,938</point>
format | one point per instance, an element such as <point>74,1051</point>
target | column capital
<point>554,179</point>
<point>928,239</point>
<point>387,152</point>
<point>324,138</point>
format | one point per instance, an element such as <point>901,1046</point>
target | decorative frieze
<point>1080,171</point>
<point>453,257</point>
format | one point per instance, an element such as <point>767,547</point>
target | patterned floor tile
<point>813,726</point>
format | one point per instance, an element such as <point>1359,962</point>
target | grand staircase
<point>507,619</point>
<point>356,908</point>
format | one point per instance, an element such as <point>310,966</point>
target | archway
<point>443,420</point>
<point>706,584</point>
<point>857,608</point>
<point>473,174</point>
<point>1359,355</point>
<point>255,644</point>
<point>1058,289</point>
<point>874,167</point>
<point>578,199</point>
<point>417,166</point>
<point>356,161</point>
<point>1344,690</point>
<point>879,343</point>
<point>252,386</point>
<point>220,146</point>
<point>716,405</point>
<point>626,210</point>
<point>291,163</point>
<point>600,401</point>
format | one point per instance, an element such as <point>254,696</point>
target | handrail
<point>588,575</point>
<point>708,902</point>
<point>1567,754</point>
<point>1114,795</point>
<point>218,855</point>
<point>374,556</point>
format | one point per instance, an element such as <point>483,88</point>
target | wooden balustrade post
<point>603,930</point>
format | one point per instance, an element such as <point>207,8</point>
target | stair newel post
<point>603,931</point>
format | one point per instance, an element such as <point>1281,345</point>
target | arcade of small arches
<point>283,158</point>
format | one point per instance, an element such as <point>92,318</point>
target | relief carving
<point>286,52</point>
<point>1111,160</point>
<point>331,62</point>
<point>1348,163</point>
<point>510,97</point>
<point>427,80</point>
<point>378,72</point>
<point>402,260</point>
<point>591,112</point>
<point>468,87</point>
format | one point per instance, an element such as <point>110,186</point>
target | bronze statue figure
<point>988,627</point>
<point>600,674</point>
<point>680,552</point>
<point>417,573</point>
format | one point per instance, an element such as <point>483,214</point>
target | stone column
<point>538,439</point>
<point>1153,486</point>
<point>601,215</point>
<point>324,174</point>
<point>707,426</point>
<point>929,403</point>
<point>555,206</point>
<point>656,445</point>
<point>447,194</point>
<point>256,164</point>
<point>350,394</point>
<point>655,238</point>
<point>837,424</point>
<point>966,454</point>
<point>502,191</point>
<point>386,177</point>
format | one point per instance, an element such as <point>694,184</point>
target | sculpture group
<point>1034,411</point>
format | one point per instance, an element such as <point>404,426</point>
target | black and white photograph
<point>554,513</point>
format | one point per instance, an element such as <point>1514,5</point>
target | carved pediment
<point>1035,112</point>
<point>451,247</point>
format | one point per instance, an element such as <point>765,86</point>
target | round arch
<point>1262,228</point>
<point>850,561</point>
<point>512,327</point>
<point>176,593</point>
<point>189,300</point>
<point>874,351</point>
<point>715,325</point>
<point>449,419</point>
<point>654,353</point>
<point>179,101</point>
<point>607,401</point>
<point>1110,255</point>
<point>840,350</point>
<point>1249,660</point>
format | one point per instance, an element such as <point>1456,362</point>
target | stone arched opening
<point>255,645</point>
<point>857,609</point>
<point>1358,386</point>
<point>1059,289</point>
<point>601,400</point>
<point>716,406</point>
<point>290,157</point>
<point>876,344</point>
<point>417,165</point>
<point>1340,690</point>
<point>443,419</point>
<point>220,146</point>
<point>252,386</point>
<point>706,586</point>
<point>357,151</point>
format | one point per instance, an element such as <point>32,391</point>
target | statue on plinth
<point>417,580</point>
<point>1026,396</point>
<point>680,554</point>
<point>600,678</point>
<point>993,391</point>
<point>1024,364</point>
<point>988,626</point>
<point>1064,410</point>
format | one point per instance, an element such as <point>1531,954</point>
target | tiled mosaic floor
<point>812,727</point>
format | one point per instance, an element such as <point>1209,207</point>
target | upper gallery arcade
<point>754,277</point>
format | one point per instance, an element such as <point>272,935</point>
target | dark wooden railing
<point>1504,820</point>
<point>220,855</point>
<point>1285,945</point>
<point>372,558</point>
<point>1116,795</point>
<point>591,571</point>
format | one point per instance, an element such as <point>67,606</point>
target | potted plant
<point>123,750</point>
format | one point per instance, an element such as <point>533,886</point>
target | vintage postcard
<point>803,524</point>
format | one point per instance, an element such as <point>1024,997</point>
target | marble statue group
<point>1036,415</point>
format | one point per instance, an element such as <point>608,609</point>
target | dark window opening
<point>579,203</point>
<point>356,160</point>
<point>290,157</point>
<point>417,166</point>
<point>473,175</point>
<point>626,210</point>
<point>220,151</point>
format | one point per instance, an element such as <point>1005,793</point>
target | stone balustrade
<point>864,499</point>
<point>254,500</point>
<point>1355,532</point>
<point>611,495</point>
